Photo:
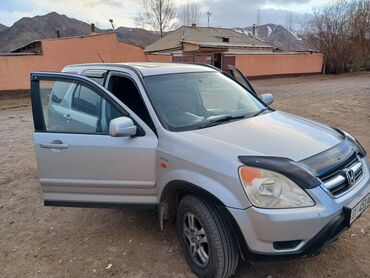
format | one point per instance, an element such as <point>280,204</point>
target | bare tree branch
<point>189,13</point>
<point>157,15</point>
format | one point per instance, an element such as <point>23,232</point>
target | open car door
<point>241,78</point>
<point>79,163</point>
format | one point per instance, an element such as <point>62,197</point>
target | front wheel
<point>206,239</point>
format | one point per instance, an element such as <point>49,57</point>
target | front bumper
<point>301,230</point>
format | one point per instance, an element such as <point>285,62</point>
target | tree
<point>289,26</point>
<point>189,13</point>
<point>341,31</point>
<point>359,21</point>
<point>157,15</point>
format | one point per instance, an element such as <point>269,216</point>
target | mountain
<point>278,36</point>
<point>2,27</point>
<point>46,26</point>
<point>137,36</point>
<point>40,27</point>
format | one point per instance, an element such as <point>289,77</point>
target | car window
<point>100,80</point>
<point>126,91</point>
<point>212,92</point>
<point>96,75</point>
<point>85,100</point>
<point>186,101</point>
<point>82,110</point>
<point>59,91</point>
<point>238,76</point>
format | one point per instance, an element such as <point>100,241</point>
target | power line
<point>110,20</point>
<point>91,6</point>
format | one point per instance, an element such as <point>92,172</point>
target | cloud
<point>297,6</point>
<point>225,13</point>
<point>97,11</point>
<point>241,13</point>
<point>285,2</point>
<point>9,17</point>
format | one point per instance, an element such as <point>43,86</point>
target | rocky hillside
<point>278,36</point>
<point>2,27</point>
<point>46,26</point>
<point>29,29</point>
<point>137,36</point>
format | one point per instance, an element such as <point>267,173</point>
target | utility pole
<point>209,13</point>
<point>258,23</point>
<point>254,34</point>
<point>111,22</point>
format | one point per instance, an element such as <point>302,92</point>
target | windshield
<point>187,101</point>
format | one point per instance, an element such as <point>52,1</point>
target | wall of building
<point>158,58</point>
<point>205,58</point>
<point>15,69</point>
<point>56,53</point>
<point>279,64</point>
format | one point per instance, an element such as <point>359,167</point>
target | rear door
<point>79,164</point>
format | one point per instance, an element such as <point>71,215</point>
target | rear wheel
<point>206,239</point>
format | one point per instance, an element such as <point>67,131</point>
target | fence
<point>15,68</point>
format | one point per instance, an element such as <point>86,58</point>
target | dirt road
<point>38,241</point>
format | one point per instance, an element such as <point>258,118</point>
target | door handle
<point>55,144</point>
<point>67,117</point>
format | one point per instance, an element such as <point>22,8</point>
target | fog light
<point>286,245</point>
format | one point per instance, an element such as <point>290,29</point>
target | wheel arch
<point>175,190</point>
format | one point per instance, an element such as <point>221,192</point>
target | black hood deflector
<point>284,166</point>
<point>306,172</point>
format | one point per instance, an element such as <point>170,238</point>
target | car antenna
<point>101,58</point>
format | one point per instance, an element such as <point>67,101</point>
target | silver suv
<point>241,179</point>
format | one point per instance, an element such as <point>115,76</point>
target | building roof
<point>209,37</point>
<point>35,46</point>
<point>144,68</point>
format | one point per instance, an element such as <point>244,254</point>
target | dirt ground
<point>38,241</point>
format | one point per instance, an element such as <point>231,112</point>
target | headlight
<point>268,189</point>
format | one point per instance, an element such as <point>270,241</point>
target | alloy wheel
<point>195,239</point>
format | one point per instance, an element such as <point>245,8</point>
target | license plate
<point>359,208</point>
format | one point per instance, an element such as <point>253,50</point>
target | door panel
<point>77,160</point>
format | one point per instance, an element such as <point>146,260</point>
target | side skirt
<point>100,205</point>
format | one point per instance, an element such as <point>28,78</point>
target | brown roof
<point>31,44</point>
<point>205,37</point>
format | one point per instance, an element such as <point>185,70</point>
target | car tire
<point>206,239</point>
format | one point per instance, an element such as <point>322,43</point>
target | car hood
<point>271,134</point>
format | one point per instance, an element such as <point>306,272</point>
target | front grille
<point>336,181</point>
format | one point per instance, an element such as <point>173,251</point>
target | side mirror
<point>122,127</point>
<point>267,98</point>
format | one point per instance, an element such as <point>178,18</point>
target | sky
<point>225,13</point>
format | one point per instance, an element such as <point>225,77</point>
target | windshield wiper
<point>222,120</point>
<point>260,112</point>
<point>229,118</point>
